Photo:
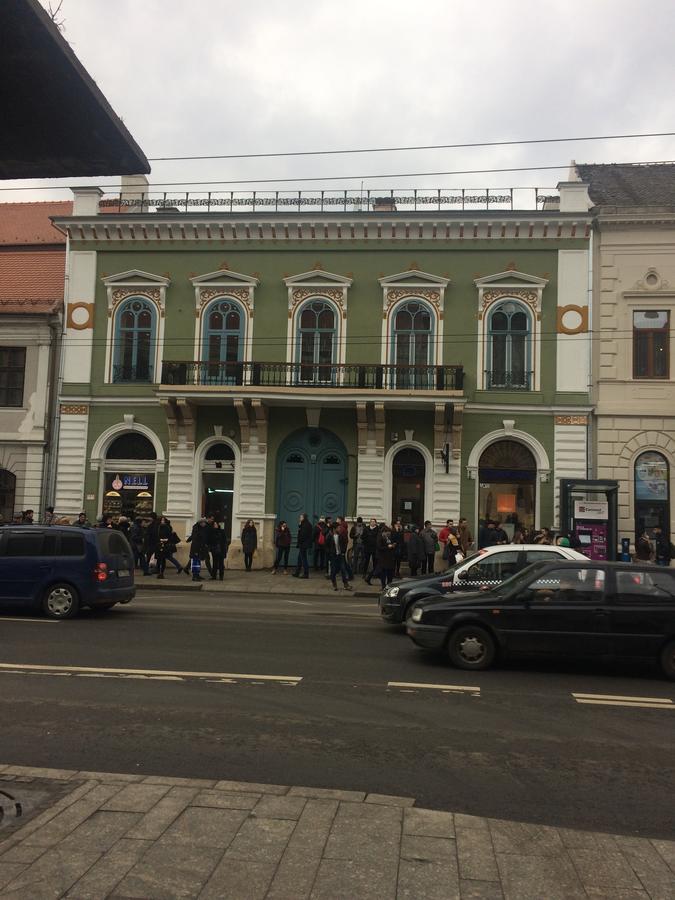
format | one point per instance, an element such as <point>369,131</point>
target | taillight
<point>100,571</point>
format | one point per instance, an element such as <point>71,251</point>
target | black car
<point>576,609</point>
<point>488,567</point>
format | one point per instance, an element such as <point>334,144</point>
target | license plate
<point>123,573</point>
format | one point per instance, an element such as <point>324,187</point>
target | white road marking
<point>619,700</point>
<point>445,688</point>
<point>32,621</point>
<point>299,602</point>
<point>156,674</point>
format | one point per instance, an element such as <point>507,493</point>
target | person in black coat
<point>336,548</point>
<point>249,543</point>
<point>217,542</point>
<point>199,547</point>
<point>415,548</point>
<point>369,538</point>
<point>305,540</point>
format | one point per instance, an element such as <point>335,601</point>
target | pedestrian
<point>369,547</point>
<point>661,547</point>
<point>282,541</point>
<point>356,534</point>
<point>137,541</point>
<point>123,526</point>
<point>319,536</point>
<point>49,518</point>
<point>397,540</point>
<point>304,539</point>
<point>336,548</point>
<point>343,530</point>
<point>643,548</point>
<point>486,535</point>
<point>217,540</point>
<point>199,550</point>
<point>249,542</point>
<point>501,537</point>
<point>444,532</point>
<point>465,536</point>
<point>452,552</point>
<point>430,543</point>
<point>544,537</point>
<point>82,521</point>
<point>163,545</point>
<point>386,556</point>
<point>415,549</point>
<point>151,540</point>
<point>562,541</point>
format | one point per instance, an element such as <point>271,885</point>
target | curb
<point>147,584</point>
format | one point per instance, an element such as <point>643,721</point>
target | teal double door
<point>311,478</point>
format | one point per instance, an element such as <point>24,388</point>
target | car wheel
<point>61,601</point>
<point>668,660</point>
<point>471,647</point>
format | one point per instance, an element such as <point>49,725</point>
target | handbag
<point>437,546</point>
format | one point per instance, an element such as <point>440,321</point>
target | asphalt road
<point>511,743</point>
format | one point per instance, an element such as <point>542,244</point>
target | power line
<point>277,155</point>
<point>116,186</point>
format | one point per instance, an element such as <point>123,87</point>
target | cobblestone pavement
<point>259,581</point>
<point>131,836</point>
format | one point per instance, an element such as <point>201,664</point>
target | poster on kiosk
<point>591,523</point>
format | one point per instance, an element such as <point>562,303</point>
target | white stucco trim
<point>527,291</point>
<point>536,448</point>
<point>197,491</point>
<point>119,289</point>
<point>389,477</point>
<point>97,459</point>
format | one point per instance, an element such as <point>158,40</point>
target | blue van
<point>61,569</point>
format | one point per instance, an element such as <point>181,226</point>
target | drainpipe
<point>50,413</point>
<point>56,433</point>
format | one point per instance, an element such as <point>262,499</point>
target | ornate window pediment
<point>224,282</point>
<point>518,285</point>
<point>136,283</point>
<point>414,283</point>
<point>318,283</point>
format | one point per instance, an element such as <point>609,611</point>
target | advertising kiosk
<point>588,508</point>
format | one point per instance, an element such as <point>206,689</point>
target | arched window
<point>507,478</point>
<point>223,347</point>
<point>509,347</point>
<point>135,327</point>
<point>652,494</point>
<point>7,495</point>
<point>129,473</point>
<point>316,342</point>
<point>131,445</point>
<point>412,346</point>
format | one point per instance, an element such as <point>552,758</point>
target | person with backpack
<point>452,551</point>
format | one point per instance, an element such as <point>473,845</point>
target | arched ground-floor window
<point>7,495</point>
<point>407,493</point>
<point>652,494</point>
<point>507,474</point>
<point>217,474</point>
<point>129,476</point>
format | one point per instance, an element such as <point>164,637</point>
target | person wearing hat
<point>563,541</point>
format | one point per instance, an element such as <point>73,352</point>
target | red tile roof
<point>31,280</point>
<point>28,223</point>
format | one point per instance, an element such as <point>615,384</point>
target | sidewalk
<point>130,836</point>
<point>258,581</point>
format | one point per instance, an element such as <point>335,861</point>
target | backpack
<point>321,540</point>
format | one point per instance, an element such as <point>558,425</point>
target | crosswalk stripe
<point>627,703</point>
<point>159,674</point>
<point>621,697</point>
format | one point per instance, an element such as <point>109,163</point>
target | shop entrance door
<point>407,495</point>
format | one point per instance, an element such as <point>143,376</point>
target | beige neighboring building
<point>633,312</point>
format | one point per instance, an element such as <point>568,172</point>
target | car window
<point>569,585</point>
<point>72,545</point>
<point>49,544</point>
<point>24,543</point>
<point>492,569</point>
<point>110,541</point>
<point>645,585</point>
<point>546,555</point>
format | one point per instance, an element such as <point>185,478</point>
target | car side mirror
<point>463,576</point>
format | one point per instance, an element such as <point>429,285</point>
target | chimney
<point>574,197</point>
<point>134,190</point>
<point>86,200</point>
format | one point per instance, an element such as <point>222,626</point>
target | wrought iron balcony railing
<point>125,374</point>
<point>508,381</point>
<point>297,375</point>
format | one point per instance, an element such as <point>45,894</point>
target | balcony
<point>508,381</point>
<point>124,374</point>
<point>355,377</point>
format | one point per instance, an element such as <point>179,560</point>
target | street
<point>171,684</point>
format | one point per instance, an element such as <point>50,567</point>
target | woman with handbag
<point>166,547</point>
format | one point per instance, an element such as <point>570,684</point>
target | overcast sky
<point>219,76</point>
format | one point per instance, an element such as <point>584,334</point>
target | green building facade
<point>383,362</point>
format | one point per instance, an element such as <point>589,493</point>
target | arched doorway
<point>311,477</point>
<point>407,494</point>
<point>507,476</point>
<point>129,476</point>
<point>7,495</point>
<point>218,484</point>
<point>652,495</point>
